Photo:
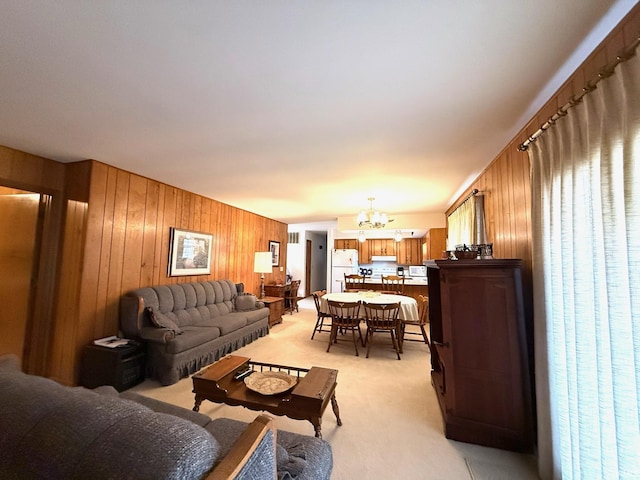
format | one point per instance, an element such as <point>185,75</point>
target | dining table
<point>408,305</point>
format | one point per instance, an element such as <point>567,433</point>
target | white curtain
<point>466,224</point>
<point>461,225</point>
<point>586,267</point>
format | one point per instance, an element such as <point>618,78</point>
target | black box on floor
<point>121,367</point>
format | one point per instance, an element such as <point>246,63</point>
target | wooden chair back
<point>316,299</point>
<point>321,315</point>
<point>344,314</point>
<point>381,316</point>
<point>354,282</point>
<point>393,284</point>
<point>422,320</point>
<point>291,297</point>
<point>423,309</point>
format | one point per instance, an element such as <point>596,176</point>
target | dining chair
<point>393,284</point>
<point>354,282</point>
<point>423,319</point>
<point>345,316</point>
<point>291,297</point>
<point>382,317</point>
<point>321,315</point>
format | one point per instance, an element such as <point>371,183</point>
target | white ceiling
<point>295,110</point>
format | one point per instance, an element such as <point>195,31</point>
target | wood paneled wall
<point>30,172</point>
<point>122,230</point>
<point>110,231</point>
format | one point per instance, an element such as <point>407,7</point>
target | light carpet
<point>392,427</point>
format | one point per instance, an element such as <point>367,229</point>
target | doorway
<point>19,217</point>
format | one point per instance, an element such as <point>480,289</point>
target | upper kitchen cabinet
<point>435,243</point>
<point>345,244</point>
<point>382,246</point>
<point>409,251</point>
<point>375,247</point>
<point>364,252</point>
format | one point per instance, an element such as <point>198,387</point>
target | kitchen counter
<point>413,287</point>
<point>407,280</point>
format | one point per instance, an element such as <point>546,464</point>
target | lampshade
<point>262,262</point>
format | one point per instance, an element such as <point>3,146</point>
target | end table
<point>121,367</point>
<point>276,307</point>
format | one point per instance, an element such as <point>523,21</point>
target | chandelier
<point>372,218</point>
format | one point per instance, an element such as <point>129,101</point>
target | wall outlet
<point>281,269</point>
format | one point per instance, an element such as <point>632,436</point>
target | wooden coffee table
<point>307,400</point>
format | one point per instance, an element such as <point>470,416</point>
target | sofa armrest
<point>253,455</point>
<point>156,334</point>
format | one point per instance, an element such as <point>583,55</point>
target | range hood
<point>383,258</point>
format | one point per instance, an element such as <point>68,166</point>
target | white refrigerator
<point>342,261</point>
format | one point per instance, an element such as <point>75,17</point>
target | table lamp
<point>262,265</point>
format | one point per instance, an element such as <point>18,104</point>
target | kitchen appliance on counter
<point>400,271</point>
<point>342,262</point>
<point>417,271</point>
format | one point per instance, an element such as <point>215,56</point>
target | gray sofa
<point>49,431</point>
<point>187,326</point>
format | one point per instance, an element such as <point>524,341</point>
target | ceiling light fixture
<point>372,218</point>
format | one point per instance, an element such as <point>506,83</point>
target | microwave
<point>417,271</point>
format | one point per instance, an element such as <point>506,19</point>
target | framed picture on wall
<point>274,248</point>
<point>189,253</point>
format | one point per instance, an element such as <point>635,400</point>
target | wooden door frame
<point>307,267</point>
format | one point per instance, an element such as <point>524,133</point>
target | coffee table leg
<point>196,407</point>
<point>317,426</point>
<point>336,409</point>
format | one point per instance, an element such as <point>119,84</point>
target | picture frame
<point>274,248</point>
<point>189,252</point>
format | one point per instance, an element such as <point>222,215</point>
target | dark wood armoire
<point>480,352</point>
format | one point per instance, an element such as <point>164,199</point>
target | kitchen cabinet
<point>375,246</point>
<point>364,252</point>
<point>480,362</point>
<point>435,243</point>
<point>382,246</point>
<point>345,243</point>
<point>409,251</point>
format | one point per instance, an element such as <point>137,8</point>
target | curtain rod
<point>624,55</point>
<point>473,192</point>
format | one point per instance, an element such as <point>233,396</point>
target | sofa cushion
<point>254,316</point>
<point>231,322</point>
<point>163,407</point>
<point>192,337</point>
<point>52,431</point>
